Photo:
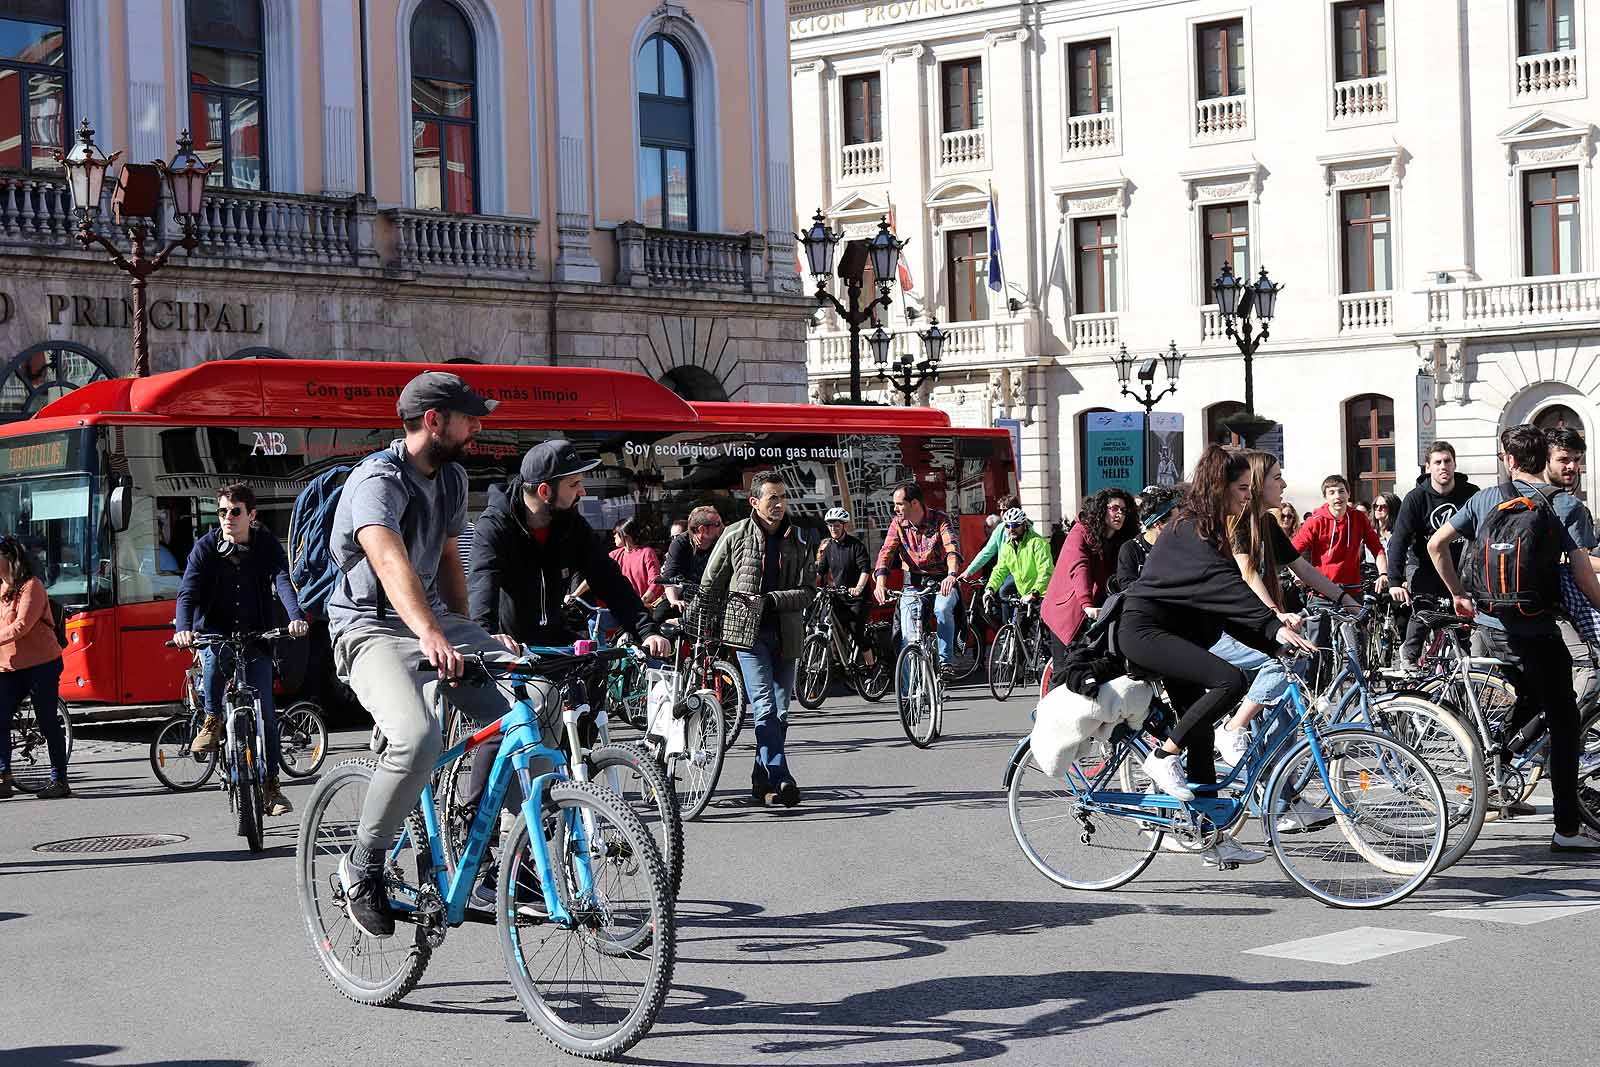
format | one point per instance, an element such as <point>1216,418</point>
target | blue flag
<point>996,274</point>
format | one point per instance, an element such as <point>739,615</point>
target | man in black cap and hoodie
<point>526,547</point>
<point>1439,493</point>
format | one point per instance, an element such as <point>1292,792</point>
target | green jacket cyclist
<point>1024,560</point>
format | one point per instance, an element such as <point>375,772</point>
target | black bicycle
<point>30,756</point>
<point>244,770</point>
<point>829,647</point>
<point>1020,652</point>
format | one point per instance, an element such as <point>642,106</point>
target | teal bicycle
<point>1086,830</point>
<point>583,905</point>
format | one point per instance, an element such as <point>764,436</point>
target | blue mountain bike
<point>582,911</point>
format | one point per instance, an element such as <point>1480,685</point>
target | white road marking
<point>1352,946</point>
<point>1529,908</point>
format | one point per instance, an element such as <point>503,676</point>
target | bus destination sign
<point>34,457</point>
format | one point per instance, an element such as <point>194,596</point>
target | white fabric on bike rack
<point>660,722</point>
<point>1065,723</point>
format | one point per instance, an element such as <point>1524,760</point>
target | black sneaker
<point>365,900</point>
<point>788,794</point>
<point>56,790</point>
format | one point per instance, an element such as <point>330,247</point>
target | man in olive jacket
<point>757,574</point>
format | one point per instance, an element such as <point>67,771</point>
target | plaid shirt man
<point>929,548</point>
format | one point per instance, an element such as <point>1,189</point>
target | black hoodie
<point>1198,593</point>
<point>516,585</point>
<point>1422,512</point>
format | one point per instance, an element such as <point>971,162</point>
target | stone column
<point>907,130</point>
<point>147,133</point>
<point>574,224</point>
<point>783,273</point>
<point>1006,141</point>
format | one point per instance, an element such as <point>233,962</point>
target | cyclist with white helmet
<point>842,563</point>
<point>1025,559</point>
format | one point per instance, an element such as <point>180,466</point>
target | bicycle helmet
<point>1016,517</point>
<point>836,515</point>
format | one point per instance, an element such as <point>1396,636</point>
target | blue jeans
<point>1271,681</point>
<point>944,614</point>
<point>217,668</point>
<point>768,679</point>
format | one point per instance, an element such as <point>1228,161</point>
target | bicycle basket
<point>707,615</point>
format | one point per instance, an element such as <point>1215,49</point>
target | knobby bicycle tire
<point>645,789</point>
<point>625,851</point>
<point>303,739</point>
<point>247,799</point>
<point>373,971</point>
<point>170,754</point>
<point>815,671</point>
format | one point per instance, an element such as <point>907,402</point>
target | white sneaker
<point>1303,816</point>
<point>1230,851</point>
<point>1232,744</point>
<point>1167,774</point>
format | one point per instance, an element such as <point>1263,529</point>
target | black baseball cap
<point>551,461</point>
<point>438,390</point>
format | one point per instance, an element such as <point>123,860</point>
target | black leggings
<point>1203,688</point>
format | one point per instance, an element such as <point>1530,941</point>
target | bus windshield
<point>54,515</point>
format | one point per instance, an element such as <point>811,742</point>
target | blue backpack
<point>313,569</point>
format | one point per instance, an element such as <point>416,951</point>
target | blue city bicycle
<point>1086,830</point>
<point>582,909</point>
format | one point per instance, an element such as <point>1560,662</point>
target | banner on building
<point>1164,447</point>
<point>1014,428</point>
<point>1114,451</point>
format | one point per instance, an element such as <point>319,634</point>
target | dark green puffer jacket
<point>733,574</point>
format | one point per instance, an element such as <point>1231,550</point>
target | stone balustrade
<point>1222,116</point>
<point>474,244</point>
<point>1091,133</point>
<point>1361,99</point>
<point>685,260</point>
<point>962,149</point>
<point>1547,72</point>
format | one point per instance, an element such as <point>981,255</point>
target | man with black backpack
<point>400,593</point>
<point>1516,532</point>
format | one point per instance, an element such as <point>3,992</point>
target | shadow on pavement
<point>4,915</point>
<point>93,861</point>
<point>895,1025</point>
<point>879,933</point>
<point>825,803</point>
<point>75,1055</point>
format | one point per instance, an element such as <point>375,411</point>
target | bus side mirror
<point>121,506</point>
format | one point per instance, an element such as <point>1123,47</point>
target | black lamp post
<point>1172,358</point>
<point>884,251</point>
<point>1236,300</point>
<point>900,375</point>
<point>134,205</point>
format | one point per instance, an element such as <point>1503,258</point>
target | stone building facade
<point>618,195</point>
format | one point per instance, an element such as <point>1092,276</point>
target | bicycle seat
<point>1439,620</point>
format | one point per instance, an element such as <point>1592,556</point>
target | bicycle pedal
<point>1228,865</point>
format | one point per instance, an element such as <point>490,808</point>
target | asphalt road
<point>890,919</point>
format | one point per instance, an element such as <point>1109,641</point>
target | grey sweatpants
<point>380,664</point>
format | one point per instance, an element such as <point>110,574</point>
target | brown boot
<point>210,735</point>
<point>8,786</point>
<point>273,800</point>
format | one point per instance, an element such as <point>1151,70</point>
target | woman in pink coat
<point>1088,559</point>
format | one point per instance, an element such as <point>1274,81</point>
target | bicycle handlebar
<point>205,640</point>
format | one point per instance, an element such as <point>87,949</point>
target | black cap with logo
<point>551,461</point>
<point>438,390</point>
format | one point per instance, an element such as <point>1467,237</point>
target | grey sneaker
<point>1230,851</point>
<point>1585,840</point>
<point>365,900</point>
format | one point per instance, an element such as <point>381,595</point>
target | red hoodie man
<point>1334,535</point>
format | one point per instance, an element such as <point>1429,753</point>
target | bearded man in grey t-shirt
<point>403,593</point>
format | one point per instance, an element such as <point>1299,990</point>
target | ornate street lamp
<point>883,250</point>
<point>900,375</point>
<point>1172,358</point>
<point>135,203</point>
<point>1237,301</point>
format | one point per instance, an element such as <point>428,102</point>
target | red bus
<point>111,484</point>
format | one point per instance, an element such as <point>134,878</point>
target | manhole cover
<point>111,843</point>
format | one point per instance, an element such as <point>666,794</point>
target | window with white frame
<point>962,85</point>
<point>228,90</point>
<point>1219,59</point>
<point>1366,252</point>
<point>1089,72</point>
<point>34,82</point>
<point>1545,26</point>
<point>863,108</point>
<point>1361,40</point>
<point>1225,236</point>
<point>1094,243</point>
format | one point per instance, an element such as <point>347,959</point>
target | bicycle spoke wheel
<point>814,672</point>
<point>30,754</point>
<point>303,738</point>
<point>967,655</point>
<point>914,686</point>
<point>1455,757</point>
<point>631,774</point>
<point>1389,826</point>
<point>378,971</point>
<point>592,987</point>
<point>874,681</point>
<point>1004,662</point>
<point>1589,769</point>
<point>728,684</point>
<point>694,773</point>
<point>176,765</point>
<point>1069,844</point>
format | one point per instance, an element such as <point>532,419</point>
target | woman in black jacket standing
<point>1190,593</point>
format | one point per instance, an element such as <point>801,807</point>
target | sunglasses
<point>230,513</point>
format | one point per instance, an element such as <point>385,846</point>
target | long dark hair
<point>1102,540</point>
<point>1206,503</point>
<point>21,562</point>
<point>1250,534</point>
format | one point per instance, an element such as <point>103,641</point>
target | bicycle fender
<point>1018,754</point>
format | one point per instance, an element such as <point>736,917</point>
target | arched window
<point>1561,417</point>
<point>694,383</point>
<point>666,134</point>
<point>444,123</point>
<point>47,372</point>
<point>228,90</point>
<point>34,83</point>
<point>1216,432</point>
<point>1369,437</point>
